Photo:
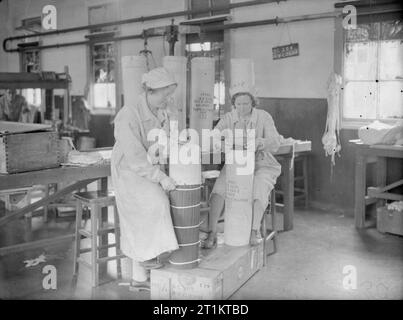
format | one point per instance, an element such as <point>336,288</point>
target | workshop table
<point>364,155</point>
<point>79,177</point>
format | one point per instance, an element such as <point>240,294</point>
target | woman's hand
<point>168,184</point>
<point>259,144</point>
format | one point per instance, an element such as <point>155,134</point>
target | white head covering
<point>158,78</point>
<point>242,77</point>
<point>242,87</point>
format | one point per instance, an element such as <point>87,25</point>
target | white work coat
<point>267,169</point>
<point>143,206</point>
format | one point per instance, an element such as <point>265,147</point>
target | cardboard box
<point>219,275</point>
<point>389,221</point>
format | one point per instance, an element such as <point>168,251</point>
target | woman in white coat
<point>140,182</point>
<point>245,116</point>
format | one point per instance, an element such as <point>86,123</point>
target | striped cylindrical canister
<point>185,212</point>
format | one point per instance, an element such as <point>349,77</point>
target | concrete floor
<point>308,265</point>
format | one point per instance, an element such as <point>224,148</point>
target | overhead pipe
<point>133,20</point>
<point>367,3</point>
<point>204,29</point>
<point>278,20</point>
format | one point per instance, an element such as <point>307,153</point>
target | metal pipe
<point>275,21</point>
<point>368,3</point>
<point>138,19</point>
<point>278,20</point>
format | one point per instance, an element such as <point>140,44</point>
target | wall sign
<point>289,50</point>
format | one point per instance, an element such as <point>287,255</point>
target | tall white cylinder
<point>177,66</point>
<point>238,198</point>
<point>202,94</point>
<point>133,67</point>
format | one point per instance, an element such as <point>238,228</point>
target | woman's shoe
<point>139,286</point>
<point>152,264</point>
<point>211,241</point>
<point>255,238</point>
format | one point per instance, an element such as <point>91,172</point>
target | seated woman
<point>139,181</point>
<point>267,140</point>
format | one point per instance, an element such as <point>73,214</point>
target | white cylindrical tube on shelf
<point>177,66</point>
<point>202,94</point>
<point>133,67</point>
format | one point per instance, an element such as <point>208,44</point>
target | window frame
<point>97,109</point>
<point>98,37</point>
<point>355,123</point>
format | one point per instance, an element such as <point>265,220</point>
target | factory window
<point>30,62</point>
<point>103,57</point>
<point>373,72</point>
<point>103,75</point>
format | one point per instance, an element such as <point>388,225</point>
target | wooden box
<point>218,276</point>
<point>389,221</point>
<point>29,151</point>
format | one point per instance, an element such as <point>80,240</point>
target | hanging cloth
<point>331,136</point>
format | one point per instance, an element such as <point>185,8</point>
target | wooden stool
<point>300,192</point>
<point>96,200</point>
<point>270,210</point>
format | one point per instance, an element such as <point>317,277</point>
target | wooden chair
<point>96,200</point>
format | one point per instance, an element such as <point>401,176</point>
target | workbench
<point>364,155</point>
<point>79,177</point>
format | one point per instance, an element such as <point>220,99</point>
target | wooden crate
<point>218,276</point>
<point>389,221</point>
<point>29,151</point>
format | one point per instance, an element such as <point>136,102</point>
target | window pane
<point>33,96</point>
<point>99,51</point>
<point>111,71</point>
<point>391,60</point>
<point>360,100</point>
<point>109,50</point>
<point>104,95</point>
<point>195,47</point>
<point>360,61</point>
<point>392,30</point>
<point>364,32</point>
<point>100,71</point>
<point>391,99</point>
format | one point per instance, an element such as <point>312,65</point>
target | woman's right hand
<point>168,184</point>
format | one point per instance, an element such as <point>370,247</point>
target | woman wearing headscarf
<point>140,183</point>
<point>244,116</point>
